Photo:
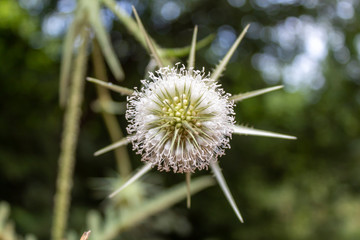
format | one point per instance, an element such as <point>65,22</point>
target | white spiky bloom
<point>183,120</point>
<point>180,120</point>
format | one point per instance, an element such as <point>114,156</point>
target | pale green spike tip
<point>151,46</point>
<point>113,146</point>
<point>116,88</point>
<point>224,187</point>
<point>135,177</point>
<point>191,62</point>
<point>243,96</point>
<point>242,130</point>
<point>221,67</point>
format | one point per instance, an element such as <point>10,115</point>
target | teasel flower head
<point>181,120</point>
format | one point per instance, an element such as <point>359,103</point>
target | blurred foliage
<point>307,189</point>
<point>7,229</point>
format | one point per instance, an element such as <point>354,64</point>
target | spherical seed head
<point>180,120</point>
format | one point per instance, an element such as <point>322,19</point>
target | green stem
<point>69,141</point>
<point>111,123</point>
<point>183,51</point>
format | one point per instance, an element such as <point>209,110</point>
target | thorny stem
<point>114,130</point>
<point>66,60</point>
<point>69,141</point>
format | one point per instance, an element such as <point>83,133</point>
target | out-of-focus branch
<point>121,155</point>
<point>69,140</point>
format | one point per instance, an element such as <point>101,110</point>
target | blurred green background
<point>303,189</point>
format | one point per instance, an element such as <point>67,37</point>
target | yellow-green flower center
<point>179,113</point>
